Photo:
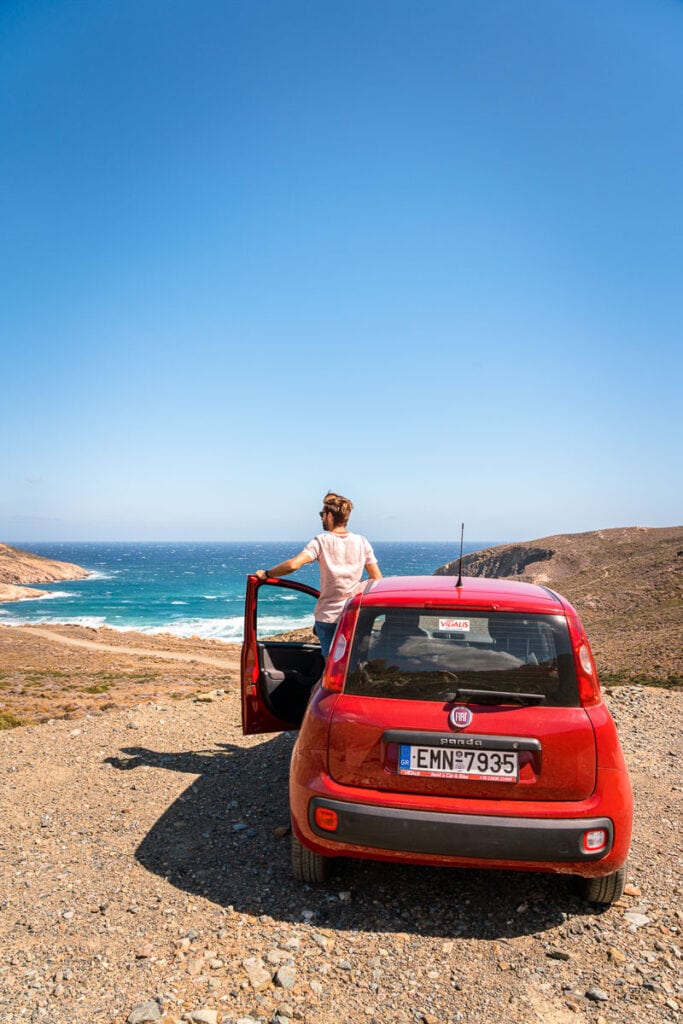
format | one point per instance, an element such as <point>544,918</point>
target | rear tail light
<point>587,676</point>
<point>595,839</point>
<point>584,665</point>
<point>338,658</point>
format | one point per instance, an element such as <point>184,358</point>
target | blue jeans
<point>324,632</point>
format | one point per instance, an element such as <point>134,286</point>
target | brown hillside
<point>625,584</point>
<point>18,567</point>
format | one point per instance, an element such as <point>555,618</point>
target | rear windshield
<point>413,654</point>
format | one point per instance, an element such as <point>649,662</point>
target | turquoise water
<point>190,589</point>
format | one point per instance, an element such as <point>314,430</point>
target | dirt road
<point>230,662</point>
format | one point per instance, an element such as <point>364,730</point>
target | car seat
<point>399,626</point>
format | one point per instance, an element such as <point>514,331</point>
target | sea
<point>191,589</point>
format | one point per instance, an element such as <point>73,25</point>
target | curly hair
<point>338,506</point>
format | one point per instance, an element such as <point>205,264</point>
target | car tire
<point>308,866</point>
<point>605,890</point>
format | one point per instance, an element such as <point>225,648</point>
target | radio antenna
<point>462,534</point>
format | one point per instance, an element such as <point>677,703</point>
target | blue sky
<point>427,254</point>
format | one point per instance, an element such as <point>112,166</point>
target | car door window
<point>284,614</point>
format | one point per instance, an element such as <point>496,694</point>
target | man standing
<point>342,556</point>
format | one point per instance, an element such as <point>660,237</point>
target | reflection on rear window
<point>415,654</point>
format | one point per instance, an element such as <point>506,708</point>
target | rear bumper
<point>454,832</point>
<point>466,836</point>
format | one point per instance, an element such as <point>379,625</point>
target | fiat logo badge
<point>460,717</point>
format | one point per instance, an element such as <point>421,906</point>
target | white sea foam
<point>270,624</point>
<point>230,628</point>
<point>49,595</point>
<point>92,621</point>
<point>178,602</point>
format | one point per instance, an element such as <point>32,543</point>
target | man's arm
<point>373,571</point>
<point>285,568</point>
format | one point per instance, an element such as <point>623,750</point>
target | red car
<point>453,725</point>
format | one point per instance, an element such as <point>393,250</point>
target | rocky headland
<point>18,568</point>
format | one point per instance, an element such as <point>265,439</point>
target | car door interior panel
<point>288,674</point>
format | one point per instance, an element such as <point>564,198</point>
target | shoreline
<point>76,622</point>
<point>73,635</point>
<point>119,635</point>
<point>10,592</point>
<point>21,571</point>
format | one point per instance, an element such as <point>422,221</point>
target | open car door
<point>277,675</point>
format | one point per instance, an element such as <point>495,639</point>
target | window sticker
<point>458,625</point>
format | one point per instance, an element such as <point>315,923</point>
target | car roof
<point>475,592</point>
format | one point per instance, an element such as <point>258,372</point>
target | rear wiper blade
<point>499,696</point>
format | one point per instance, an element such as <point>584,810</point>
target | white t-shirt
<point>342,558</point>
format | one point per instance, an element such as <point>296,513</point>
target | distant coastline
<point>90,665</point>
<point>14,592</point>
<point>18,568</point>
<point>625,584</point>
<point>185,589</point>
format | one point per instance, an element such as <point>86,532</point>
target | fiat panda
<point>452,724</point>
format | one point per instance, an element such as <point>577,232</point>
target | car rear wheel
<point>308,866</point>
<point>605,890</point>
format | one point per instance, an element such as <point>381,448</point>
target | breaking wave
<point>91,621</point>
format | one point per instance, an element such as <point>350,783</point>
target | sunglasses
<point>325,512</point>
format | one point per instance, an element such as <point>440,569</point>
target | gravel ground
<point>145,876</point>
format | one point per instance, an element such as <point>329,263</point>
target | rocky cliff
<point>625,584</point>
<point>19,567</point>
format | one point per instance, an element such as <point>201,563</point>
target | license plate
<point>459,763</point>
